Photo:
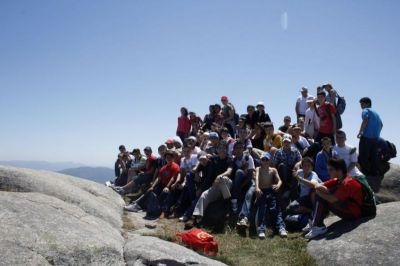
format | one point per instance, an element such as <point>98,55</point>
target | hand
<point>166,190</point>
<point>259,193</point>
<point>321,188</point>
<point>218,179</point>
<point>295,174</point>
<point>276,187</point>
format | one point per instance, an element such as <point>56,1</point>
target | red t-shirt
<point>150,163</point>
<point>349,192</point>
<point>326,121</point>
<point>168,172</point>
<point>183,125</point>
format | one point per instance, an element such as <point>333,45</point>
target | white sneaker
<point>133,207</point>
<point>283,233</point>
<point>316,231</point>
<point>261,235</point>
<point>244,222</point>
<point>307,228</point>
<point>183,219</point>
<point>108,184</point>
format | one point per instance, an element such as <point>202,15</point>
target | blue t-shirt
<point>374,125</point>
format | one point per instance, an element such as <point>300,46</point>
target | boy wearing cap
<point>261,115</point>
<point>268,184</point>
<point>212,145</point>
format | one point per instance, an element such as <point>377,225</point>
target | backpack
<point>341,105</point>
<point>368,207</point>
<point>386,150</point>
<point>199,240</point>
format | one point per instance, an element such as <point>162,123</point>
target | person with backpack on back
<point>327,114</point>
<point>369,135</point>
<point>343,195</point>
<point>336,100</point>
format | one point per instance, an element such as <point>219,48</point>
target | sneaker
<point>283,233</point>
<point>133,207</point>
<point>261,235</point>
<point>120,191</point>
<point>108,184</point>
<point>183,219</point>
<point>307,228</point>
<point>316,231</point>
<point>234,205</point>
<point>244,222</point>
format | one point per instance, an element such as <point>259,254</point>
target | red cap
<point>169,141</point>
<point>224,98</point>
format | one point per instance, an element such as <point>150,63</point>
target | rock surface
<point>142,250</point>
<point>38,229</point>
<point>367,242</point>
<point>389,190</point>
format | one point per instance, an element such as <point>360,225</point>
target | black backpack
<point>386,150</point>
<point>341,105</point>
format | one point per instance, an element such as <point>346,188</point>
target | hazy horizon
<point>79,78</point>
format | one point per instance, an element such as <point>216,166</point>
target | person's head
<point>222,149</point>
<point>260,107</point>
<point>225,133</point>
<point>192,115</point>
<point>191,141</point>
<point>169,156</point>
<point>184,111</point>
<point>287,120</point>
<point>269,128</point>
<point>326,144</point>
<point>243,133</point>
<point>250,109</point>
<point>341,138</point>
<point>238,148</point>
<point>265,159</point>
<point>296,131</point>
<point>211,108</point>
<point>177,142</point>
<point>328,87</point>
<point>169,143</point>
<point>203,159</point>
<point>304,91</point>
<point>161,150</point>
<point>122,148</point>
<point>242,122</point>
<point>217,108</point>
<point>365,102</point>
<point>310,102</point>
<point>286,141</point>
<point>259,129</point>
<point>337,168</point>
<point>186,151</point>
<point>136,153</point>
<point>301,123</point>
<point>214,138</point>
<point>224,100</point>
<point>307,164</point>
<point>321,96</point>
<point>148,151</point>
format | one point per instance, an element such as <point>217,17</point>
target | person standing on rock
<point>342,195</point>
<point>369,135</point>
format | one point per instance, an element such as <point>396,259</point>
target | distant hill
<point>42,165</point>
<point>97,174</point>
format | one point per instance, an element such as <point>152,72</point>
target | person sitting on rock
<point>154,201</point>
<point>268,184</point>
<point>321,163</point>
<point>347,153</point>
<point>342,195</point>
<point>273,140</point>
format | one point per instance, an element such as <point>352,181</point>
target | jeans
<point>268,208</point>
<point>155,201</point>
<point>142,179</point>
<point>368,156</point>
<point>187,196</point>
<point>246,207</point>
<point>238,183</point>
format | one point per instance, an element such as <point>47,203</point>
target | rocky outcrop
<point>365,242</point>
<point>389,187</point>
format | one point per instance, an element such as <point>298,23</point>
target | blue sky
<point>78,78</point>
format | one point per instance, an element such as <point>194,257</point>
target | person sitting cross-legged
<point>268,183</point>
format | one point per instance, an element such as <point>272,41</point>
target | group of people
<point>293,175</point>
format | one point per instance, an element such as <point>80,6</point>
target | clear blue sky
<point>78,78</point>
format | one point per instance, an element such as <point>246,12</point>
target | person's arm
<point>171,181</point>
<point>297,107</point>
<point>304,181</point>
<point>227,173</point>
<point>154,184</point>
<point>278,180</point>
<point>362,128</point>
<point>156,172</point>
<point>258,190</point>
<point>333,116</point>
<point>323,192</point>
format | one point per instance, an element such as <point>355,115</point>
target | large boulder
<point>389,188</point>
<point>93,198</point>
<point>37,229</point>
<point>364,242</point>
<point>147,250</point>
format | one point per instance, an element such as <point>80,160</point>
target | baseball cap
<point>287,138</point>
<point>304,89</point>
<point>310,99</point>
<point>192,138</point>
<point>260,104</point>
<point>214,135</point>
<point>224,98</point>
<point>169,141</point>
<point>266,155</point>
<point>287,118</point>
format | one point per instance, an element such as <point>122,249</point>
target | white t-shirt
<point>189,164</point>
<point>311,122</point>
<point>302,101</point>
<point>349,155</point>
<point>313,177</point>
<point>196,150</point>
<point>246,158</point>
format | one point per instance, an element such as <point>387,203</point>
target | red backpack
<point>199,241</point>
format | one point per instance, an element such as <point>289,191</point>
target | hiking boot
<point>244,222</point>
<point>283,233</point>
<point>183,219</point>
<point>133,207</point>
<point>261,235</point>
<point>316,231</point>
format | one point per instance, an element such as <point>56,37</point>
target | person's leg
<point>320,213</point>
<point>208,196</point>
<point>283,173</point>
<point>275,212</point>
<point>374,160</point>
<point>363,156</point>
<point>261,206</point>
<point>237,185</point>
<point>246,207</point>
